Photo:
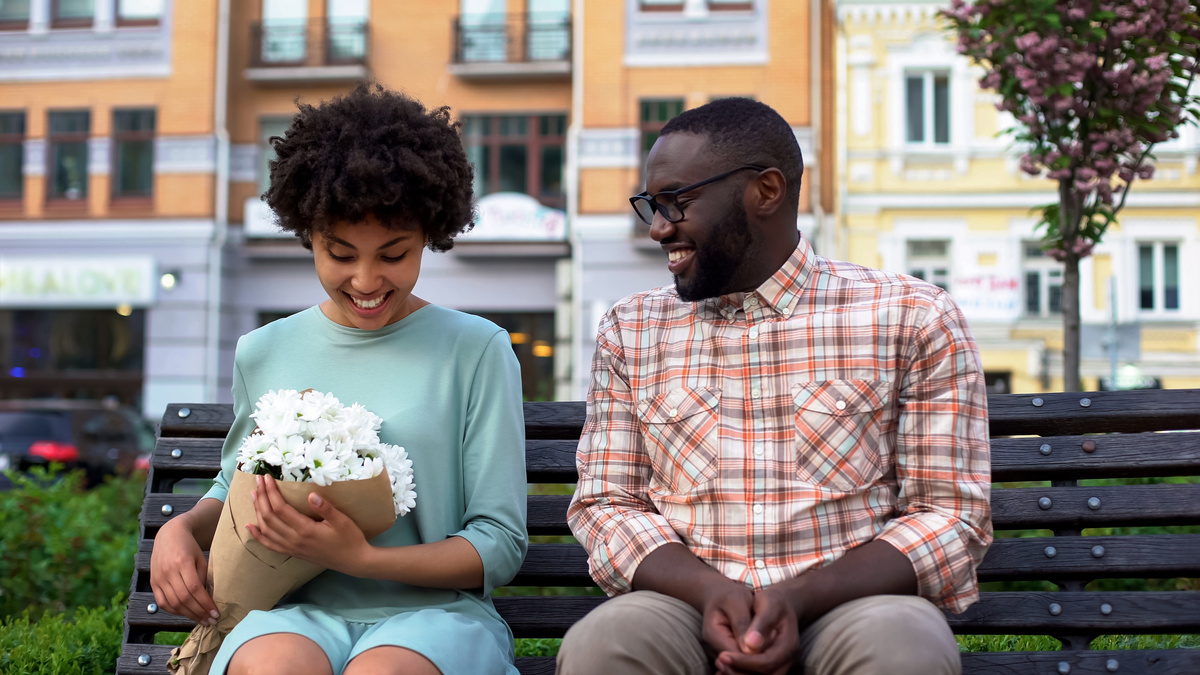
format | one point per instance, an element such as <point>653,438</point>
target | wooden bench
<point>1059,438</point>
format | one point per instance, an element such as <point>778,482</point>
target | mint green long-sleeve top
<point>448,388</point>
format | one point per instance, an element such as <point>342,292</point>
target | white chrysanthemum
<point>312,437</point>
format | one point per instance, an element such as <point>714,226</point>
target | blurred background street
<point>134,249</point>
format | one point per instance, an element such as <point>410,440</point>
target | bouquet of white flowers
<point>309,442</point>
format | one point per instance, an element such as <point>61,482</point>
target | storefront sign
<point>96,281</point>
<point>511,216</point>
<point>987,296</point>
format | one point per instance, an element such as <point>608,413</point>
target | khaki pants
<point>646,632</point>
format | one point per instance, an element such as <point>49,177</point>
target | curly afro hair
<point>745,131</point>
<point>372,151</point>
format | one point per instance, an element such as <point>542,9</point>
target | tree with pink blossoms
<point>1094,85</point>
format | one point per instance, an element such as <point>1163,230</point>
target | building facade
<point>108,174</point>
<point>641,62</point>
<point>504,69</point>
<point>925,187</point>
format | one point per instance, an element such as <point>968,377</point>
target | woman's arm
<point>178,568</point>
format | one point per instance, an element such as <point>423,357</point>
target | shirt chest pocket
<point>839,425</point>
<point>680,429</point>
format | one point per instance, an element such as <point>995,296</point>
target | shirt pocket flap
<point>841,397</point>
<point>678,404</point>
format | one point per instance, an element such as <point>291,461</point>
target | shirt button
<point>760,564</point>
<point>758,450</point>
<point>753,333</point>
<point>841,405</point>
<point>787,311</point>
<point>673,412</point>
<point>755,393</point>
<point>758,508</point>
<point>753,301</point>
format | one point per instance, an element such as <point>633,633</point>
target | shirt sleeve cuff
<point>630,541</point>
<point>941,556</point>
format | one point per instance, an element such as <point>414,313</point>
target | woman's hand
<point>178,571</point>
<point>333,542</point>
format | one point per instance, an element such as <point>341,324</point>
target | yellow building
<point>926,188</point>
<point>641,62</point>
<point>108,227</point>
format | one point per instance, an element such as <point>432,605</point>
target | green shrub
<point>538,646</point>
<point>63,547</point>
<point>85,643</point>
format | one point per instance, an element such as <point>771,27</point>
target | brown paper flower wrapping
<point>244,575</point>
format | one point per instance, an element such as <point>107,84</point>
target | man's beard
<point>719,261</point>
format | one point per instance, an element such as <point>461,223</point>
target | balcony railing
<point>315,43</point>
<point>513,44</point>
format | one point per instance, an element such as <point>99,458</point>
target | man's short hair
<point>372,152</point>
<point>745,131</point>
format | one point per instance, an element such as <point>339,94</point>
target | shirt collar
<point>781,291</point>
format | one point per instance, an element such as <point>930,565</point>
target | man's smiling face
<point>709,250</point>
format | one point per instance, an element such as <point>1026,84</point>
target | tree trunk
<point>1069,213</point>
<point>1070,310</point>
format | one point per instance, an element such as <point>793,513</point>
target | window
<point>72,353</point>
<point>532,338</point>
<point>346,21</point>
<point>930,261</point>
<point>927,107</point>
<point>73,13</point>
<point>653,116</point>
<point>998,382</point>
<point>12,155</point>
<point>133,153</point>
<point>1043,281</point>
<point>267,128</point>
<point>678,5</point>
<point>1158,276</point>
<point>14,14</point>
<point>68,155</point>
<point>139,12</point>
<point>284,29</point>
<point>518,153</point>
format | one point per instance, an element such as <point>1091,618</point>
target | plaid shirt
<point>772,431</point>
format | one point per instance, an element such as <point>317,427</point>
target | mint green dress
<point>448,388</point>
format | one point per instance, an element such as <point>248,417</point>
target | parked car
<point>100,437</point>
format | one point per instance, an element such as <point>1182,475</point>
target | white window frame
<point>931,53</point>
<point>928,107</point>
<point>1157,260</point>
<point>929,264</point>
<point>1045,267</point>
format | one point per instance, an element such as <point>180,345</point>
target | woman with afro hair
<point>367,181</point>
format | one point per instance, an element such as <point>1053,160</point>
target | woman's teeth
<point>367,304</point>
<point>678,254</point>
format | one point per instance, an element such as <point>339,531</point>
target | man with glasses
<point>785,461</point>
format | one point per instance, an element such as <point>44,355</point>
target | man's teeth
<point>367,304</point>
<point>678,254</point>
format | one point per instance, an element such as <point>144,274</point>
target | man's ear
<point>766,193</point>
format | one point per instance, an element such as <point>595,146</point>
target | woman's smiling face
<point>369,272</point>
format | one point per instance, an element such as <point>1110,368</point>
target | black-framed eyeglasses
<point>645,205</point>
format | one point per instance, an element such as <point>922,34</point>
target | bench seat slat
<point>1023,613</point>
<point>1129,662</point>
